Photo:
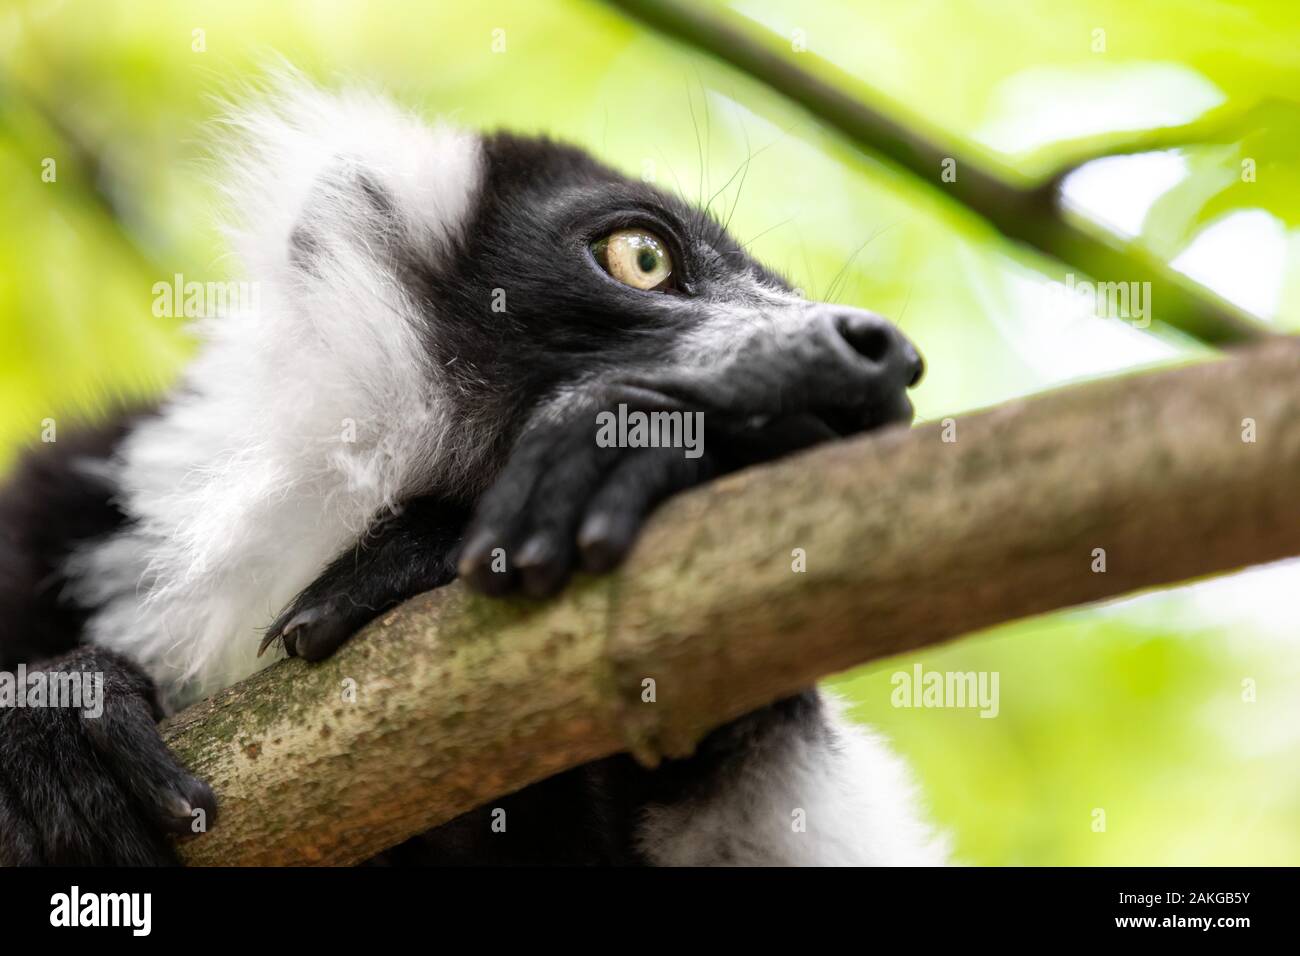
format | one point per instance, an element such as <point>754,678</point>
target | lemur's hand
<point>407,553</point>
<point>564,501</point>
<point>77,787</point>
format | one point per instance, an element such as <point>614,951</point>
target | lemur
<point>466,304</point>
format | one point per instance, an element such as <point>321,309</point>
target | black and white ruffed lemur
<point>469,302</point>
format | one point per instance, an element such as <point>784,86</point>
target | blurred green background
<point>1135,708</point>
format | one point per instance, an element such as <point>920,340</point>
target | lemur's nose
<point>877,340</point>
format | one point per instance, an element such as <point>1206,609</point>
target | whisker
<point>680,191</point>
<point>911,286</point>
<point>833,289</point>
<point>760,235</point>
<point>699,152</point>
<point>708,129</point>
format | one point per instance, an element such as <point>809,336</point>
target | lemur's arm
<point>561,502</point>
<point>91,784</point>
<point>94,788</point>
<point>410,552</point>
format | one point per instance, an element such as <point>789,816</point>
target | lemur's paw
<point>564,501</point>
<point>314,631</point>
<point>94,784</point>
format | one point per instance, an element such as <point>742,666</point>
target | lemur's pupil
<point>646,260</point>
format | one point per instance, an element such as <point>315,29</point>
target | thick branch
<point>1028,214</point>
<point>909,540</point>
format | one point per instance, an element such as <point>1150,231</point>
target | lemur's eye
<point>635,257</point>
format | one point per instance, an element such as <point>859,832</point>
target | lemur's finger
<point>315,631</point>
<point>631,490</point>
<point>547,554</point>
<point>484,562</point>
<point>126,734</point>
<point>546,473</point>
<point>545,561</point>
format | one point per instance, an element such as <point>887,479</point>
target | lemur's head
<point>573,278</point>
<point>483,284</point>
<point>438,319</point>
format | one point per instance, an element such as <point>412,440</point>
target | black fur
<point>52,502</point>
<point>97,791</point>
<point>588,815</point>
<point>73,790</point>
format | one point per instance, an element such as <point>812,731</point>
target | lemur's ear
<point>336,202</point>
<point>348,205</point>
<point>314,173</point>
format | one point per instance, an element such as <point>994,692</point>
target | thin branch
<point>83,165</point>
<point>1029,214</point>
<point>1218,127</point>
<point>909,539</point>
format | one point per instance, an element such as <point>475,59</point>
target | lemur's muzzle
<point>817,370</point>
<point>844,367</point>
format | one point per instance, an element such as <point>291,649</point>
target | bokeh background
<point>1135,707</point>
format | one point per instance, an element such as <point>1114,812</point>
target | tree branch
<point>909,540</point>
<point>1029,214</point>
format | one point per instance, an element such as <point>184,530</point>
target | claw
<point>475,565</point>
<point>475,552</point>
<point>601,543</point>
<point>306,616</point>
<point>543,564</point>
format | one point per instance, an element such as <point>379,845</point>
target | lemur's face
<point>576,281</point>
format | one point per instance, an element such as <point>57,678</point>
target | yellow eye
<point>636,258</point>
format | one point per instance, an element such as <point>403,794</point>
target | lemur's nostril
<point>867,334</point>
<point>918,366</point>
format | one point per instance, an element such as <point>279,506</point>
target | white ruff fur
<point>245,486</point>
<point>853,797</point>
